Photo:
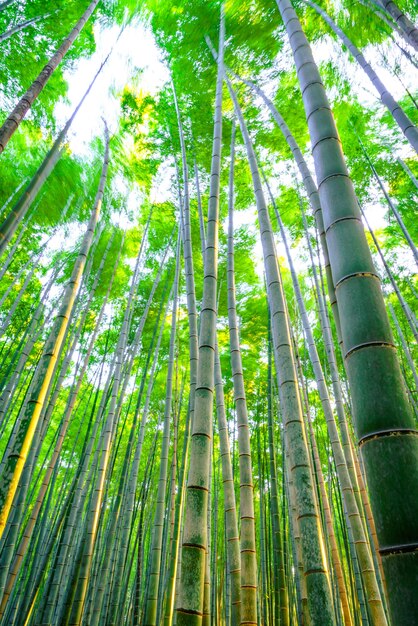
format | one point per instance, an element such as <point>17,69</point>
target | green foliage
<point>143,203</point>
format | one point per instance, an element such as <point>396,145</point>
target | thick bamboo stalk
<point>360,539</point>
<point>384,425</point>
<point>350,454</point>
<point>402,21</point>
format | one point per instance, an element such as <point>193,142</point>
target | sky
<point>136,50</point>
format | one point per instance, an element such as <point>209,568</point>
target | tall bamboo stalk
<point>23,204</point>
<point>15,461</point>
<point>281,609</point>
<point>21,26</point>
<point>231,522</point>
<point>314,564</point>
<point>190,602</point>
<point>384,426</point>
<point>402,21</point>
<point>16,116</point>
<point>247,536</point>
<point>360,539</point>
<point>405,124</point>
<point>310,187</point>
<point>150,618</point>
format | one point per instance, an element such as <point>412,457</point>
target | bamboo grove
<point>208,327</point>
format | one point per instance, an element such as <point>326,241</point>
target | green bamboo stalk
<point>404,344</point>
<point>156,547</point>
<point>16,116</point>
<point>173,564</point>
<point>402,21</point>
<point>281,615</point>
<point>351,457</point>
<point>188,262</point>
<point>21,26</point>
<point>310,187</point>
<point>409,314</point>
<point>190,602</point>
<point>360,539</point>
<point>247,517</point>
<point>314,564</point>
<point>231,522</point>
<point>405,124</point>
<point>23,204</point>
<point>390,202</point>
<point>16,459</point>
<point>384,426</point>
<point>407,170</point>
